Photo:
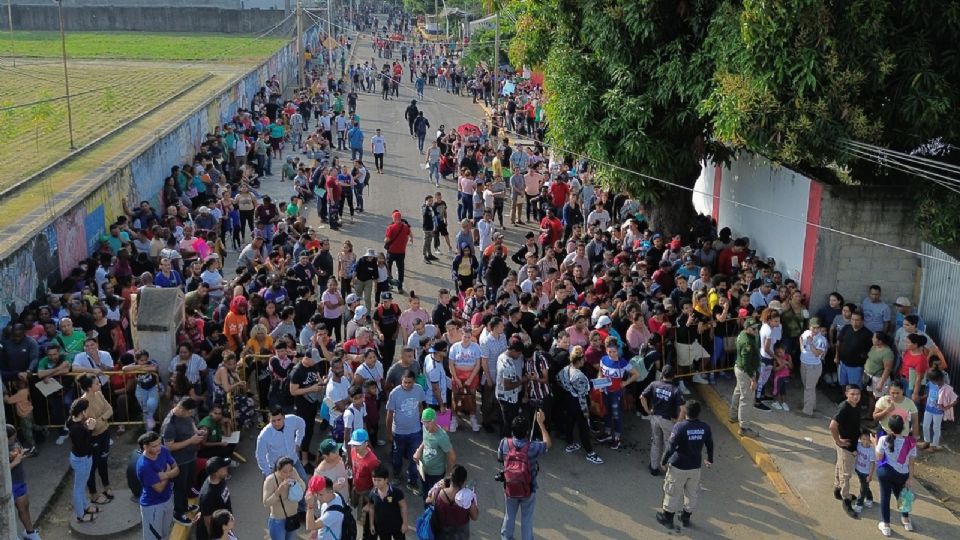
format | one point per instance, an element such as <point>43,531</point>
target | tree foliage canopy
<point>657,85</point>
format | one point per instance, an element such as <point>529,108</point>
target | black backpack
<point>348,528</point>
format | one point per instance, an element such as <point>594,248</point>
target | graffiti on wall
<point>73,238</point>
<point>28,273</point>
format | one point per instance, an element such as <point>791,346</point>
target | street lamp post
<point>66,77</point>
<point>13,54</point>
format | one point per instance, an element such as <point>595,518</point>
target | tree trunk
<point>673,212</point>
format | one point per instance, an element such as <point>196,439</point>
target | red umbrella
<point>468,130</point>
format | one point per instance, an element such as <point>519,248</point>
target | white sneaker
<point>868,503</point>
<point>61,439</point>
<point>698,379</point>
<point>785,407</point>
<point>453,425</point>
<point>474,424</point>
<point>907,524</point>
<point>683,388</point>
<point>234,464</point>
<point>884,529</point>
<point>35,535</point>
<point>776,406</point>
<point>857,508</point>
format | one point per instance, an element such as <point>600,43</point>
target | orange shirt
<point>233,325</point>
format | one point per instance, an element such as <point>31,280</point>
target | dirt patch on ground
<point>939,471</point>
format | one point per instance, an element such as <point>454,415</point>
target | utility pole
<point>329,35</point>
<point>66,78</point>
<point>300,48</point>
<point>13,54</point>
<point>496,64</point>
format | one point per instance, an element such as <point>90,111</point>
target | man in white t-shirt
<point>93,360</point>
<point>379,147</point>
<point>332,508</point>
<point>336,395</point>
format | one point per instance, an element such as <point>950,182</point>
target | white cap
<point>603,321</point>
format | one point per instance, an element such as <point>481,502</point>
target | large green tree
<point>656,86</point>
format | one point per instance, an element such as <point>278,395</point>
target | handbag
<point>597,406</point>
<point>290,523</point>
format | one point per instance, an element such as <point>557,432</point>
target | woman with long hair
<point>895,455</point>
<point>464,268</point>
<point>227,382</point>
<point>283,490</point>
<point>100,411</point>
<point>455,505</point>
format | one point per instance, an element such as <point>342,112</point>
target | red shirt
<point>558,193</point>
<point>363,468</point>
<point>333,189</point>
<point>398,235</point>
<point>554,229</point>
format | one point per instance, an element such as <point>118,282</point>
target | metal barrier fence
<point>53,410</point>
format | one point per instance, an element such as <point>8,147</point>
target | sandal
<point>101,500</point>
<point>108,495</point>
<point>92,510</point>
<point>87,518</point>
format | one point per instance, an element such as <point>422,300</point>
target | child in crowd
<point>866,465</point>
<point>781,376</point>
<point>19,397</point>
<point>933,410</point>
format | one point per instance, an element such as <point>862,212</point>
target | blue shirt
<point>168,282</point>
<point>534,450</point>
<point>356,137</point>
<point>148,473</point>
<point>933,392</point>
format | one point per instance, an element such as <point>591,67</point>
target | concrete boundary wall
<point>51,249</point>
<point>149,18</point>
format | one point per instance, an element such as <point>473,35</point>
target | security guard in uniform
<point>682,461</point>
<point>661,401</point>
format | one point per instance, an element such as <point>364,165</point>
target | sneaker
<point>571,448</point>
<point>234,464</point>
<point>748,432</point>
<point>453,425</point>
<point>785,407</point>
<point>665,519</point>
<point>33,535</point>
<point>182,519</point>
<point>474,424</point>
<point>592,457</point>
<point>31,452</point>
<point>606,437</point>
<point>857,508</point>
<point>151,423</point>
<point>884,529</point>
<point>61,439</point>
<point>836,494</point>
<point>191,508</point>
<point>698,379</point>
<point>868,503</point>
<point>615,445</point>
<point>760,406</point>
<point>683,388</point>
<point>907,524</point>
<point>848,508</point>
<point>654,472</point>
<point>775,406</point>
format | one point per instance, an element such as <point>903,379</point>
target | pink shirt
<point>467,185</point>
<point>332,297</point>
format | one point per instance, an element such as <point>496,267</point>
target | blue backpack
<point>425,524</point>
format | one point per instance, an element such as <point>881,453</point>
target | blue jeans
<point>526,508</point>
<point>148,400</point>
<point>466,199</point>
<point>403,448</point>
<point>420,138</point>
<point>850,375</point>
<point>614,420</point>
<point>277,531</point>
<point>358,196</point>
<point>356,153</point>
<point>81,471</point>
<point>891,483</point>
<point>435,172</point>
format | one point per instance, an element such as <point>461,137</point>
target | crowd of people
<point>595,316</point>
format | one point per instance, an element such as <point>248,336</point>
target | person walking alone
<point>519,457</point>
<point>378,144</point>
<point>746,369</point>
<point>682,461</point>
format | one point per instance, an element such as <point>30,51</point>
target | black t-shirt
<point>441,314</point>
<point>727,328</point>
<point>688,334</point>
<point>427,213</point>
<point>213,497</point>
<point>540,336</point>
<point>664,399</point>
<point>367,269</point>
<point>388,319</point>
<point>81,439</point>
<point>848,419</point>
<point>854,346</point>
<point>386,511</point>
<point>528,321</point>
<point>304,376</point>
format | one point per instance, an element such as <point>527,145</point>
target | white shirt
<point>379,144</point>
<point>601,216</point>
<point>195,365</point>
<point>435,374</point>
<point>332,520</point>
<point>485,228</point>
<point>336,391</point>
<point>806,354</point>
<point>105,362</point>
<point>325,123</point>
<point>273,445</point>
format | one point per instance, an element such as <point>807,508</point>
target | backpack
<point>348,528</point>
<point>425,524</point>
<point>517,478</point>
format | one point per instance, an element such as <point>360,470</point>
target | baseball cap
<point>767,282</point>
<point>776,305</point>
<point>603,321</point>
<point>903,301</point>
<point>687,259</point>
<point>428,415</point>
<point>216,463</point>
<point>352,298</point>
<point>328,446</point>
<point>358,437</point>
<point>386,295</point>
<point>360,313</point>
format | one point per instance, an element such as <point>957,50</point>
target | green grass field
<point>35,135</point>
<point>142,46</point>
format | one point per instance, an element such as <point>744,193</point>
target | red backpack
<point>517,478</point>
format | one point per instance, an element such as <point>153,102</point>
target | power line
<point>712,196</point>
<point>909,157</point>
<point>319,18</point>
<point>944,181</point>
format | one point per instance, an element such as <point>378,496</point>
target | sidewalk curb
<point>755,449</point>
